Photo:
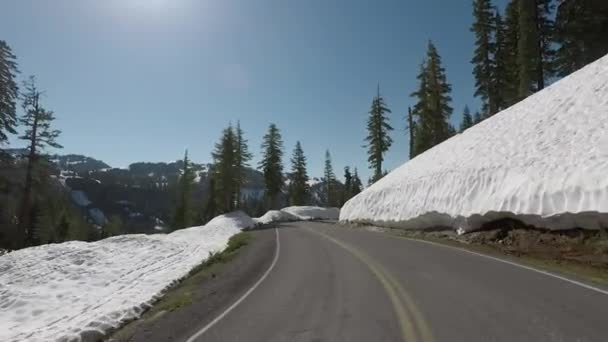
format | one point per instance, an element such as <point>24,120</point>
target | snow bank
<point>299,214</point>
<point>63,291</point>
<point>275,216</point>
<point>543,161</point>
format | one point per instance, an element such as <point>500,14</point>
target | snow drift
<point>299,214</point>
<point>543,161</point>
<point>64,291</point>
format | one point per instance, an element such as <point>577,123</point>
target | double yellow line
<point>413,325</point>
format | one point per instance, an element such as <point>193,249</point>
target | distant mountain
<point>77,163</point>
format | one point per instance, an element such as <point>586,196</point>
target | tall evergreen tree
<point>210,205</point>
<point>183,216</point>
<point>357,185</point>
<point>272,165</point>
<point>347,192</point>
<point>507,69</point>
<point>243,156</point>
<point>484,28</point>
<point>39,135</point>
<point>535,53</point>
<point>227,171</point>
<point>378,139</point>
<point>467,119</point>
<point>477,118</point>
<point>581,31</point>
<point>432,110</point>
<point>9,92</point>
<point>299,190</point>
<point>329,180</point>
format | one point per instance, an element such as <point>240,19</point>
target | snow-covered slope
<point>65,290</point>
<point>543,161</point>
<point>299,213</point>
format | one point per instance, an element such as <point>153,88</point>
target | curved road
<point>335,284</point>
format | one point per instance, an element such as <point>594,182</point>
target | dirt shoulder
<point>577,253</point>
<point>202,296</point>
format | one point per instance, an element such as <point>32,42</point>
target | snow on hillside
<point>62,291</point>
<point>299,213</point>
<point>543,161</point>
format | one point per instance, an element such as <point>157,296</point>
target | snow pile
<point>67,290</point>
<point>543,161</point>
<point>313,213</point>
<point>297,213</point>
<point>275,216</point>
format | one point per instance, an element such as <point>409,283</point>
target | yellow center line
<point>401,301</point>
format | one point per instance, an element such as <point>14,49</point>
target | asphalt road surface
<point>329,283</point>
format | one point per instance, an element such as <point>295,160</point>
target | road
<point>335,284</point>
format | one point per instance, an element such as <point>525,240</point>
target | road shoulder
<point>592,273</point>
<point>202,296</point>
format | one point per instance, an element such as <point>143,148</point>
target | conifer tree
<point>432,110</point>
<point>39,135</point>
<point>357,185</point>
<point>581,28</point>
<point>227,172</point>
<point>378,139</point>
<point>467,119</point>
<point>329,179</point>
<point>210,205</point>
<point>243,156</point>
<point>484,28</point>
<point>477,118</point>
<point>347,192</point>
<point>9,92</point>
<point>299,190</point>
<point>272,165</point>
<point>507,69</point>
<point>183,216</point>
<point>534,50</point>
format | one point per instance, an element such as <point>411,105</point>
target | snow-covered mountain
<point>543,161</point>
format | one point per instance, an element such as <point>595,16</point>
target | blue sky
<point>141,80</point>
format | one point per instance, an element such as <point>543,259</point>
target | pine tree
<point>477,118</point>
<point>183,217</point>
<point>329,180</point>
<point>534,49</point>
<point>241,163</point>
<point>347,192</point>
<point>357,185</point>
<point>484,28</point>
<point>467,119</point>
<point>210,206</point>
<point>581,31</point>
<point>507,69</point>
<point>299,190</point>
<point>226,170</point>
<point>432,110</point>
<point>9,92</point>
<point>378,139</point>
<point>271,164</point>
<point>39,135</point>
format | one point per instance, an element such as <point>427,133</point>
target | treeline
<point>517,52</point>
<point>34,208</point>
<point>227,179</point>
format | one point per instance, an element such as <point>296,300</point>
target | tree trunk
<point>410,122</point>
<point>540,82</point>
<point>26,206</point>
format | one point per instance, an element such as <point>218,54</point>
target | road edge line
<point>512,263</point>
<point>198,334</point>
